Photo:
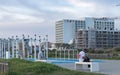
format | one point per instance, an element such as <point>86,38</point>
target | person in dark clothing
<point>86,59</point>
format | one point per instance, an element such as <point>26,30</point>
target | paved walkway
<point>109,67</point>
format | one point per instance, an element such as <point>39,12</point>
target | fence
<point>73,54</point>
<point>4,67</point>
<point>103,56</point>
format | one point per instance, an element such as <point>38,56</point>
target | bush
<point>117,49</point>
<point>115,54</point>
<point>99,51</point>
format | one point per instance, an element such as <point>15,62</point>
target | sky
<point>38,17</point>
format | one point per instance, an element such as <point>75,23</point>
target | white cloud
<point>12,19</point>
<point>79,3</point>
<point>62,9</point>
<point>18,16</point>
<point>19,9</point>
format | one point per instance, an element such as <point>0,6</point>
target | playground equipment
<point>23,47</point>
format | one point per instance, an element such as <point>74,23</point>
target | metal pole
<point>39,47</point>
<point>73,53</point>
<point>56,54</point>
<point>28,51</point>
<point>4,50</point>
<point>31,47</point>
<point>64,54</point>
<point>16,46</point>
<point>12,46</point>
<point>68,54</point>
<point>18,52</point>
<point>23,46</point>
<point>60,52</point>
<point>0,50</point>
<point>77,54</point>
<point>35,47</point>
<point>9,47</point>
<point>46,46</point>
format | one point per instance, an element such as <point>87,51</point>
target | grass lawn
<point>23,67</point>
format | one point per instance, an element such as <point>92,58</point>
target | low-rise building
<point>92,38</point>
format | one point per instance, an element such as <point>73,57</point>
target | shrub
<point>117,49</point>
<point>99,51</point>
<point>115,54</point>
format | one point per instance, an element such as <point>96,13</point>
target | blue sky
<point>31,17</point>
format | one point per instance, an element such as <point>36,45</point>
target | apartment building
<point>66,29</point>
<point>99,23</point>
<point>89,33</point>
<point>89,38</point>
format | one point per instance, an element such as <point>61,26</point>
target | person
<point>40,54</point>
<point>83,57</point>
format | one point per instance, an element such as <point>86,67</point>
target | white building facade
<point>66,30</point>
<point>99,33</point>
<point>100,23</point>
<point>89,38</point>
